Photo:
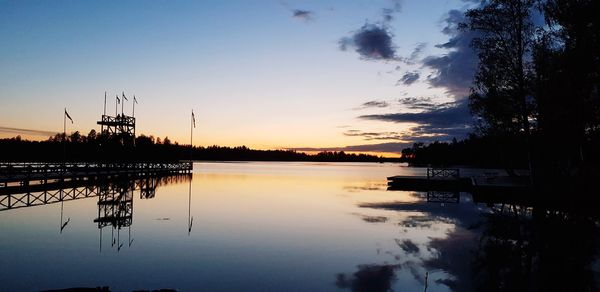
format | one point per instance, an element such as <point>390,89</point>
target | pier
<point>14,197</point>
<point>29,176</point>
<point>450,180</point>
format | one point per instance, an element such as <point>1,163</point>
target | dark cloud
<point>302,14</point>
<point>375,103</point>
<point>398,136</point>
<point>374,278</point>
<point>19,131</point>
<point>458,114</point>
<point>442,133</point>
<point>371,42</point>
<point>409,78</point>
<point>454,71</point>
<point>382,147</point>
<point>420,103</point>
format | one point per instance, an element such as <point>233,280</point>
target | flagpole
<point>116,105</point>
<point>65,136</point>
<point>123,103</point>
<point>133,113</point>
<point>191,136</point>
<point>102,127</point>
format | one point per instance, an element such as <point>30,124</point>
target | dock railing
<point>26,171</point>
<point>433,172</point>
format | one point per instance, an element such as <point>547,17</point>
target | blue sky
<point>266,74</point>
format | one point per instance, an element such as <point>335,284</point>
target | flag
<point>118,100</point>
<point>193,119</point>
<point>124,98</point>
<point>68,116</point>
<point>134,100</point>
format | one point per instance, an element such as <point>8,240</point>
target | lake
<point>294,226</point>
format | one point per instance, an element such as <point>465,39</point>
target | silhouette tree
<point>500,98</point>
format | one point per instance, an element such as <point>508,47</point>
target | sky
<point>360,76</point>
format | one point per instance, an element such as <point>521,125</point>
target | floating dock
<point>446,179</point>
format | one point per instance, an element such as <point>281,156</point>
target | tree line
<point>103,147</point>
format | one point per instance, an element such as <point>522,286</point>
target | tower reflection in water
<point>115,201</point>
<point>115,205</point>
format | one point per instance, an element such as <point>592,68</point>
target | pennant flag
<point>68,116</point>
<point>124,98</point>
<point>134,100</point>
<point>118,100</point>
<point>193,119</point>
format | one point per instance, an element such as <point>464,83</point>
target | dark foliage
<point>94,147</point>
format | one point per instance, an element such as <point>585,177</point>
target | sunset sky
<point>367,76</point>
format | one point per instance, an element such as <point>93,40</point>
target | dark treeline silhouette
<point>473,151</point>
<point>96,147</point>
<point>536,91</point>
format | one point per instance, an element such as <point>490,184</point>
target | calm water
<point>295,227</point>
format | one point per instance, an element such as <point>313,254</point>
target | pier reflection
<point>115,200</point>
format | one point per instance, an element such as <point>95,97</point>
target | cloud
<point>409,78</point>
<point>423,103</point>
<point>374,104</point>
<point>388,12</point>
<point>442,117</point>
<point>301,14</point>
<point>398,136</point>
<point>455,70</point>
<point>19,131</point>
<point>397,5</point>
<point>394,147</point>
<point>416,53</point>
<point>437,121</point>
<point>371,42</point>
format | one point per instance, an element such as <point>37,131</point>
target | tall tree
<point>501,97</point>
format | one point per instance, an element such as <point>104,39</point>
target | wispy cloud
<point>374,104</point>
<point>457,114</point>
<point>31,132</point>
<point>435,121</point>
<point>408,136</point>
<point>409,78</point>
<point>423,103</point>
<point>394,147</point>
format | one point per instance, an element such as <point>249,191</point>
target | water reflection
<point>115,201</point>
<point>290,227</point>
<point>496,246</point>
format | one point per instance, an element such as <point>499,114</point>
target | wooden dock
<point>28,174</point>
<point>444,179</point>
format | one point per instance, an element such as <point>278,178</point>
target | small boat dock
<point>450,179</point>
